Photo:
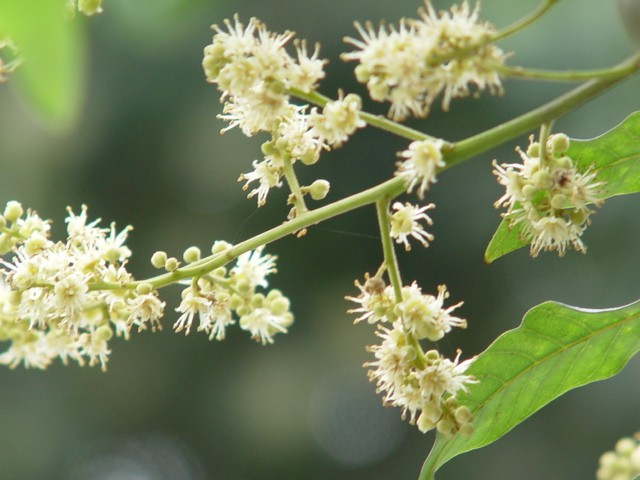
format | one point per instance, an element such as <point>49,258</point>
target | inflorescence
<point>547,197</point>
<point>441,53</point>
<point>423,384</point>
<point>67,299</point>
<point>623,463</point>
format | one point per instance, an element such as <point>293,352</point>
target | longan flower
<point>548,198</point>
<point>49,307</point>
<point>439,53</point>
<point>623,463</point>
<point>421,162</point>
<point>253,71</point>
<point>339,119</point>
<point>405,223</point>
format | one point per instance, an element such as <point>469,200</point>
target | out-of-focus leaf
<point>615,156</point>
<point>557,348</point>
<point>50,77</point>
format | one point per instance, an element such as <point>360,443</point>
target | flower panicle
<point>255,73</point>
<point>66,300</point>
<point>439,53</point>
<point>548,197</point>
<point>48,307</point>
<point>422,384</point>
<point>214,298</point>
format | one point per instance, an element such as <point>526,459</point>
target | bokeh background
<point>146,151</point>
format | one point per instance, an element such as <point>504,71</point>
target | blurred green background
<point>145,150</point>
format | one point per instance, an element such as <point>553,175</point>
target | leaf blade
<point>51,76</point>
<point>557,348</point>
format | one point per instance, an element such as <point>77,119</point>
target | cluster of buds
<point>623,463</point>
<point>256,74</point>
<point>438,53</point>
<point>423,385</point>
<point>51,301</point>
<point>215,296</point>
<point>547,197</point>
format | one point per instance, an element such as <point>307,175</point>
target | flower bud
<point>463,415</point>
<point>318,189</point>
<point>529,192</point>
<point>541,179</point>
<point>564,162</point>
<point>220,246</point>
<point>559,201</point>
<point>559,143</point>
<point>310,157</point>
<point>13,211</point>
<point>533,150</point>
<point>144,288</point>
<point>158,259</point>
<point>103,333</point>
<point>172,264</point>
<point>191,254</point>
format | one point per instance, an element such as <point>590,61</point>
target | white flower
<point>267,177</point>
<point>375,300</point>
<point>456,31</point>
<point>146,309</point>
<point>421,162</point>
<point>254,71</point>
<point>253,267</point>
<point>548,199</point>
<point>392,63</point>
<point>424,316</point>
<point>192,304</point>
<point>411,65</point>
<point>405,223</point>
<point>339,119</point>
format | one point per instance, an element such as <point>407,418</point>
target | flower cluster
<point>439,53</point>
<point>215,296</point>
<point>623,463</point>
<point>87,7</point>
<point>423,385</point>
<point>547,198</point>
<point>255,74</point>
<point>51,305</point>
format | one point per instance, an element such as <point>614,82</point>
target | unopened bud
<point>559,143</point>
<point>319,189</point>
<point>158,259</point>
<point>13,211</point>
<point>191,254</point>
<point>172,264</point>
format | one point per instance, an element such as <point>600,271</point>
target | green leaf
<point>50,77</point>
<point>556,348</point>
<point>615,156</point>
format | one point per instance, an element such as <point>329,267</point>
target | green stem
<point>389,189</point>
<point>557,76</point>
<point>525,21</point>
<point>377,121</point>
<point>562,105</point>
<point>294,186</point>
<point>390,260</point>
<point>453,155</point>
<point>545,129</point>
